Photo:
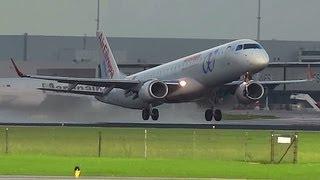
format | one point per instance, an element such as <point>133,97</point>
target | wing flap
<point>92,93</point>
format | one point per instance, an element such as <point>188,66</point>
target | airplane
<point>187,79</point>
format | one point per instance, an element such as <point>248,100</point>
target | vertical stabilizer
<point>108,65</point>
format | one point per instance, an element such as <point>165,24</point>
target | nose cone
<point>258,60</point>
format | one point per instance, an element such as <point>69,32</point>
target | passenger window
<point>239,47</point>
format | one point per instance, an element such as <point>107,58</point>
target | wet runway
<point>172,116</point>
<point>312,124</point>
<point>274,124</point>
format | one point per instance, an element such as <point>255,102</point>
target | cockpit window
<point>239,47</point>
<point>252,46</point>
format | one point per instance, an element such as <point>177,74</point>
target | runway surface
<point>286,120</point>
<point>262,124</point>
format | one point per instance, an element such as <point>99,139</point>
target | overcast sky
<point>281,19</point>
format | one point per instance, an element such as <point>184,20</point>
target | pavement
<point>189,116</point>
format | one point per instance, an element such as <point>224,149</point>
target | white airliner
<point>187,79</point>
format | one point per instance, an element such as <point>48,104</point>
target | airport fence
<point>233,145</point>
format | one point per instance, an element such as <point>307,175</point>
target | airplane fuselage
<point>201,71</point>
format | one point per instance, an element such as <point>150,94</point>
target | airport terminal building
<point>78,56</point>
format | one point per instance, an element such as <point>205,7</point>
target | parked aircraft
<point>186,79</point>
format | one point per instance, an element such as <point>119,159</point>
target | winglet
<point>17,69</point>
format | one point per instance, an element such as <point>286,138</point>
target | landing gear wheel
<point>217,115</point>
<point>145,114</point>
<point>155,114</point>
<point>209,114</point>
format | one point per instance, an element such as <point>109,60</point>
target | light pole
<point>98,15</point>
<point>259,20</point>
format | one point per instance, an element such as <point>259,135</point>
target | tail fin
<point>108,65</point>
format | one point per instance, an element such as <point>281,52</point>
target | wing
<point>230,88</point>
<point>272,84</point>
<point>109,84</point>
<point>114,83</point>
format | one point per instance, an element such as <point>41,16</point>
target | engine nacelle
<point>153,90</point>
<point>248,92</point>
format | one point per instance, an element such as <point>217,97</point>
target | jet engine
<point>248,92</point>
<point>153,90</point>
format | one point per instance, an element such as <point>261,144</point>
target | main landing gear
<point>154,113</point>
<point>216,114</point>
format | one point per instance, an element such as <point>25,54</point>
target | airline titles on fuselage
<point>192,58</point>
<point>208,60</point>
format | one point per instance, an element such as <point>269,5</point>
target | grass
<point>170,153</point>
<point>92,166</point>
